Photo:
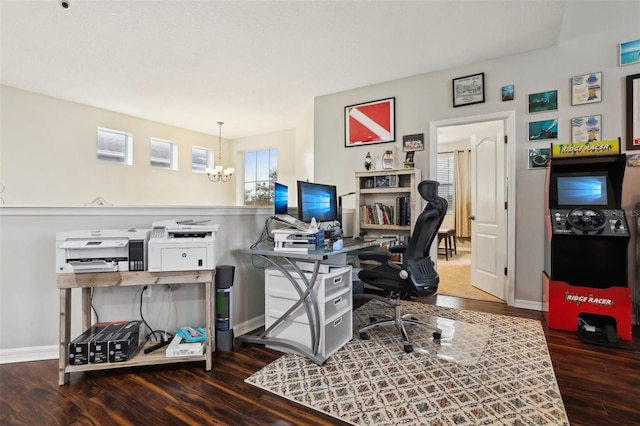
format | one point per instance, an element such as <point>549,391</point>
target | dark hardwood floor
<point>599,385</point>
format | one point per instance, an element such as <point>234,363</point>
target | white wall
<point>48,150</point>
<point>425,98</point>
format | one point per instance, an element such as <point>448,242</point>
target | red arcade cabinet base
<point>562,303</point>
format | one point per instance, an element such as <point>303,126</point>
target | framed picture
<point>539,157</point>
<point>633,160</point>
<point>586,88</point>
<point>543,101</point>
<point>543,130</point>
<point>408,160</point>
<point>370,122</point>
<point>633,111</point>
<point>630,52</point>
<point>508,93</point>
<point>382,181</point>
<point>468,90</point>
<point>413,142</point>
<point>586,129</point>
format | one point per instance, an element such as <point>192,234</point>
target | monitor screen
<point>317,201</point>
<point>280,198</point>
<point>582,191</point>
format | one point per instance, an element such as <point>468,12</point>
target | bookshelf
<point>387,202</point>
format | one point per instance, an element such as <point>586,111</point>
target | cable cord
<point>93,307</point>
<point>142,316</point>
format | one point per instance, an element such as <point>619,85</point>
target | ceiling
<point>256,65</point>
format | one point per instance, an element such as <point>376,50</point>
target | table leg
<point>65,332</point>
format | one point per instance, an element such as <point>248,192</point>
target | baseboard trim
<point>35,353</point>
<point>527,304</point>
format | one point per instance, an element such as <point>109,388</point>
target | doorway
<point>483,244</point>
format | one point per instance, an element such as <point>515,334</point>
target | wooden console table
<point>86,282</point>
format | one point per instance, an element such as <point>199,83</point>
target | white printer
<point>182,246</point>
<point>108,250</point>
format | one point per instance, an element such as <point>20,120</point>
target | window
<point>114,146</point>
<point>201,158</point>
<point>260,172</point>
<point>445,177</point>
<point>164,154</point>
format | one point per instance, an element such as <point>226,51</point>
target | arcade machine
<point>585,284</point>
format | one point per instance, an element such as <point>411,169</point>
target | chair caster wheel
<point>364,336</point>
<point>373,319</point>
<point>437,336</point>
<point>408,348</point>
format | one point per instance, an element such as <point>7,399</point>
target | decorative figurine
<point>387,160</point>
<point>367,162</point>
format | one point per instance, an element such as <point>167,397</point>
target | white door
<point>488,214</point>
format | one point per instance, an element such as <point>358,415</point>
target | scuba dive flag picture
<point>370,122</point>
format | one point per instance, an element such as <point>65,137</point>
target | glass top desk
<point>286,263</point>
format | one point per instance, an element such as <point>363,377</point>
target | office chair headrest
<point>428,189</point>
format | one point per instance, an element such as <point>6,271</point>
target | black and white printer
<point>182,245</point>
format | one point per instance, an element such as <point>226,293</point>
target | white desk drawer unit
<point>335,306</point>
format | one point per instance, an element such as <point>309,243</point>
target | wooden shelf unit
<point>371,189</point>
<point>67,282</point>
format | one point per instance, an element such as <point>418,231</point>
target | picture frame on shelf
<point>382,181</point>
<point>408,160</point>
<point>468,90</point>
<point>633,111</point>
<point>543,130</point>
<point>629,53</point>
<point>586,88</point>
<point>370,123</point>
<point>543,101</point>
<point>413,142</point>
<point>586,129</point>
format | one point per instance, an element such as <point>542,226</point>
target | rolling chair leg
<point>398,320</point>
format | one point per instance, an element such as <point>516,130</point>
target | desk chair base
<point>398,320</point>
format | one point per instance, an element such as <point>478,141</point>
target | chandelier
<point>219,173</point>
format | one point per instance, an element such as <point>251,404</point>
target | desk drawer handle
<point>337,301</point>
<point>337,280</point>
<point>337,322</point>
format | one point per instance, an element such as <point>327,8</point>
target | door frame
<point>509,118</point>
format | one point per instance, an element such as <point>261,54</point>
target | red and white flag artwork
<point>370,123</point>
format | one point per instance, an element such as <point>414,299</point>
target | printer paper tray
<point>98,243</point>
<point>94,266</point>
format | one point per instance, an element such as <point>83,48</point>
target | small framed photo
<point>382,181</point>
<point>630,52</point>
<point>586,88</point>
<point>543,101</point>
<point>633,160</point>
<point>586,129</point>
<point>370,123</point>
<point>408,160</point>
<point>468,90</point>
<point>508,93</point>
<point>413,142</point>
<point>539,157</point>
<point>543,130</point>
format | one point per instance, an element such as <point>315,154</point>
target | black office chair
<point>415,276</point>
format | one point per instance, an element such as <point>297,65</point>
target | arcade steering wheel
<point>586,219</point>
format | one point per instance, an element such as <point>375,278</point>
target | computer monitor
<point>280,198</point>
<point>585,190</point>
<point>317,201</point>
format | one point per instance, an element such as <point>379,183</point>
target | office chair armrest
<point>378,256</point>
<point>399,248</point>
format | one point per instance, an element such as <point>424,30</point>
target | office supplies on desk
<point>107,250</point>
<point>182,246</point>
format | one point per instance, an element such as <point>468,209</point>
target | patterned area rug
<point>508,379</point>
